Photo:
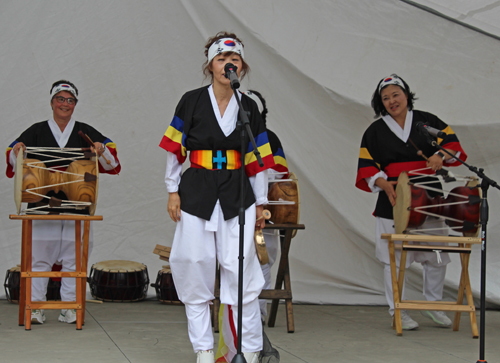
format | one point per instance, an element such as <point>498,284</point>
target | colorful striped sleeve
<point>451,142</point>
<point>174,139</point>
<point>367,167</point>
<point>280,164</point>
<point>251,165</point>
<point>112,149</point>
<point>10,170</point>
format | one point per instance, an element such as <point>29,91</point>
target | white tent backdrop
<point>317,63</point>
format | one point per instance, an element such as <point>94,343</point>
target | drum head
<point>472,183</point>
<point>119,266</point>
<point>18,181</point>
<point>401,212</point>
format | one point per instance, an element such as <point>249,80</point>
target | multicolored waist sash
<point>215,159</point>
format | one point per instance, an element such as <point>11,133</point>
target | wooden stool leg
<point>29,253</point>
<point>22,284</point>
<point>280,277</point>
<point>470,299</point>
<point>395,289</point>
<point>288,286</point>
<point>78,268</point>
<point>85,258</point>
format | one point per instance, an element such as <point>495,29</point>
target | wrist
<point>441,155</point>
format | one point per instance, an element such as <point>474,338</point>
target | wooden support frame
<point>81,265</point>
<point>282,288</point>
<point>463,247</point>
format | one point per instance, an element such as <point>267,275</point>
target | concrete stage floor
<point>150,331</point>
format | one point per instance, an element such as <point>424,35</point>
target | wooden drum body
<point>165,287</point>
<point>119,281</point>
<point>460,208</point>
<point>79,182</point>
<point>284,201</point>
<point>12,285</point>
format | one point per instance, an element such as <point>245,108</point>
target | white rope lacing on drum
<point>281,201</point>
<point>419,174</point>
<point>77,152</point>
<point>422,211</point>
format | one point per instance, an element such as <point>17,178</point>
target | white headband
<point>225,45</point>
<point>63,87</point>
<point>392,79</point>
<point>257,100</point>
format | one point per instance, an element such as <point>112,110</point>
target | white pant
<point>434,267</point>
<point>54,241</point>
<point>196,247</point>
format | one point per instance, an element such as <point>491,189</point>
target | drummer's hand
<point>259,223</point>
<point>435,162</point>
<point>174,206</point>
<point>18,147</point>
<point>98,148</point>
<point>388,188</point>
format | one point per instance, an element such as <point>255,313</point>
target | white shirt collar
<point>227,122</point>
<point>61,137</point>
<point>403,134</point>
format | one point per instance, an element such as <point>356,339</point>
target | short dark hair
<point>223,34</point>
<point>378,105</point>
<point>63,81</point>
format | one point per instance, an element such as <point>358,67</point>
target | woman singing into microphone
<point>204,200</point>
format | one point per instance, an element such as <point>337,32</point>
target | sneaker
<point>37,316</point>
<point>251,357</point>
<point>68,316</point>
<point>439,317</point>
<point>407,322</point>
<point>205,356</point>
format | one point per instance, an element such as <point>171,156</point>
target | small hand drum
<point>165,287</point>
<point>119,281</point>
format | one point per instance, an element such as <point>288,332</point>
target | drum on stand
<point>165,287</point>
<point>284,200</point>
<point>119,281</point>
<point>79,182</point>
<point>460,208</point>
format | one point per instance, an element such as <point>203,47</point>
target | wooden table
<point>81,258</point>
<point>282,288</point>
<point>463,247</point>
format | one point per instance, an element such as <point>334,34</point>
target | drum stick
<point>265,214</point>
<point>94,301</point>
<point>420,153</point>
<point>86,138</point>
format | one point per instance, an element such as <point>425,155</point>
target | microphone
<point>231,74</point>
<point>430,130</point>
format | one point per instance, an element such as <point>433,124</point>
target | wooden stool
<point>81,255</point>
<point>463,247</point>
<point>282,277</point>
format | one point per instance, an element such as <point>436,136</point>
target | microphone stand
<point>484,216</point>
<point>243,124</point>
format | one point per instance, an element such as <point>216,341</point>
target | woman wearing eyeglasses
<point>389,146</point>
<point>54,240</point>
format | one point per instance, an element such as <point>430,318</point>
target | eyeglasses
<point>60,99</point>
